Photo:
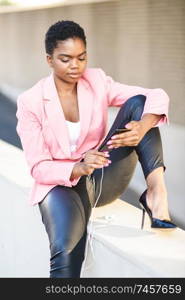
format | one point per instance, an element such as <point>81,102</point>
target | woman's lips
<point>74,75</point>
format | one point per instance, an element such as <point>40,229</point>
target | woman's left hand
<point>129,138</point>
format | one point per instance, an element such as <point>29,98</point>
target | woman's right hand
<point>93,159</point>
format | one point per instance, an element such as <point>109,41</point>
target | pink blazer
<point>44,135</point>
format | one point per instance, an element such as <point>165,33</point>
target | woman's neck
<point>65,88</point>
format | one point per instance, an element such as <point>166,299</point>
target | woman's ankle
<point>157,202</point>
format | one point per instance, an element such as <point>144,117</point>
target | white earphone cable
<point>91,230</point>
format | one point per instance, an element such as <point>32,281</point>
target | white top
<point>74,133</point>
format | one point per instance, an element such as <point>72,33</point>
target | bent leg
<point>149,151</point>
<point>64,219</point>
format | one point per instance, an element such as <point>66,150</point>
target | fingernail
<point>106,165</point>
<point>114,137</point>
<point>109,161</point>
<point>107,155</point>
<point>109,142</point>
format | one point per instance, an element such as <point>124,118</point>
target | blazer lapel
<point>56,116</point>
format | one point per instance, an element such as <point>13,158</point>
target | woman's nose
<point>74,63</point>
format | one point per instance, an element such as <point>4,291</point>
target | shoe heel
<point>143,218</point>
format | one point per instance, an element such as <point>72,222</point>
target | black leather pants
<point>65,211</point>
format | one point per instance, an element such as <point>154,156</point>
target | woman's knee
<point>64,261</point>
<point>60,262</point>
<point>138,100</point>
<point>133,107</point>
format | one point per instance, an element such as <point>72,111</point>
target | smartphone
<point>120,130</point>
<point>104,146</point>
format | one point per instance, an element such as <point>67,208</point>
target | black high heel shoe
<point>155,223</point>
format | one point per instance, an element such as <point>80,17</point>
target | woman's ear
<point>49,60</point>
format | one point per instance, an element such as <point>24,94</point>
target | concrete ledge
<point>121,249</point>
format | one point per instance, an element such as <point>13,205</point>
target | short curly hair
<point>61,31</point>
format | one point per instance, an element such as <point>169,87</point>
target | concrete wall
<point>138,42</point>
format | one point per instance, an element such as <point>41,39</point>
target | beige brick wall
<point>138,42</point>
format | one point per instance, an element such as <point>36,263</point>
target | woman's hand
<point>96,159</point>
<point>137,131</point>
<point>93,159</point>
<point>129,138</point>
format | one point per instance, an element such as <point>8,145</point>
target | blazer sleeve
<point>42,167</point>
<point>157,100</point>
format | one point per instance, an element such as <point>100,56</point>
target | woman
<point>62,123</point>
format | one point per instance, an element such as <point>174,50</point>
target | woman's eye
<point>65,61</point>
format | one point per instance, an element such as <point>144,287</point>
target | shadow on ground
<point>8,122</point>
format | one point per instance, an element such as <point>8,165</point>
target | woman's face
<point>68,60</point>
